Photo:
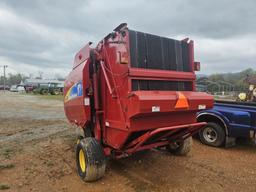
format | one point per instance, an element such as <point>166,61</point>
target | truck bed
<point>236,103</point>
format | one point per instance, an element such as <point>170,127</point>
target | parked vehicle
<point>17,88</point>
<point>29,88</point>
<point>21,89</point>
<point>127,95</point>
<point>42,89</point>
<point>56,88</point>
<point>49,88</point>
<point>227,121</point>
<point>14,88</point>
<point>6,87</point>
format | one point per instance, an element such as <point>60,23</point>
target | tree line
<point>227,81</point>
<point>12,79</point>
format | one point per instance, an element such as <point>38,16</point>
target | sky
<point>44,35</point>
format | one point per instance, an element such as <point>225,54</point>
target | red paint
<point>124,120</point>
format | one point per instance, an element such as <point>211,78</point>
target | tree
<point>219,82</point>
<point>13,79</point>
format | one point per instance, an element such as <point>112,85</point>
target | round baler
<point>133,91</point>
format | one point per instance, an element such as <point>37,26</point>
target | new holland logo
<point>75,91</point>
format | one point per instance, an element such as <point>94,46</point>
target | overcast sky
<point>44,35</point>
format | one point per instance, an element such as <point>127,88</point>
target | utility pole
<point>5,66</point>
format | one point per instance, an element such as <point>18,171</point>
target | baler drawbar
<point>133,91</point>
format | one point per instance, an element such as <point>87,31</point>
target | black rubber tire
<point>95,161</point>
<point>44,92</point>
<point>220,134</point>
<point>56,92</point>
<point>87,133</point>
<point>78,139</point>
<point>182,147</point>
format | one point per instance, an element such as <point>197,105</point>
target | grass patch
<point>7,166</point>
<point>4,186</point>
<point>51,97</point>
<point>48,97</point>
<point>7,153</point>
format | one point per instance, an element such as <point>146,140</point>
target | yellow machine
<point>251,94</point>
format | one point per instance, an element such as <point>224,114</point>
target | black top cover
<point>155,52</point>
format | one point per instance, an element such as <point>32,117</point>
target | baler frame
<point>138,144</point>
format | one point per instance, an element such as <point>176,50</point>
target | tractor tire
<point>181,148</point>
<point>90,159</point>
<point>212,134</point>
<point>56,92</point>
<point>44,92</point>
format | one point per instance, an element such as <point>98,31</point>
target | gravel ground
<point>37,154</point>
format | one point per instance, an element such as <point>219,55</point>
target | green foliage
<point>6,166</point>
<point>227,81</point>
<point>52,97</point>
<point>4,186</point>
<point>12,79</point>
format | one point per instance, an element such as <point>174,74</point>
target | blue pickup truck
<point>227,121</point>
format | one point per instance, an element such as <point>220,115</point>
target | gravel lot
<point>37,154</point>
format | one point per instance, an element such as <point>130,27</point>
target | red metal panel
<point>142,102</point>
<point>137,73</point>
<point>116,137</point>
<point>82,55</point>
<point>77,107</point>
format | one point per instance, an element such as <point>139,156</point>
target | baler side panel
<point>115,105</point>
<point>76,103</point>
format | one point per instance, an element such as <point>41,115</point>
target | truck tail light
<point>123,57</point>
<point>197,66</point>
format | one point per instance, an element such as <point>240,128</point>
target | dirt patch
<point>37,154</point>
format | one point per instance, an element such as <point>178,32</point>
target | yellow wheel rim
<point>77,141</point>
<point>82,160</point>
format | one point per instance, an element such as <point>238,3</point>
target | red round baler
<point>133,91</point>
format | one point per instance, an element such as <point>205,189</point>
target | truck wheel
<point>181,147</point>
<point>44,92</point>
<point>56,92</point>
<point>212,134</point>
<point>90,159</point>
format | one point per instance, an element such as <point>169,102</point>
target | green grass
<point>4,186</point>
<point>7,166</point>
<point>7,153</point>
<point>51,97</point>
<point>48,97</point>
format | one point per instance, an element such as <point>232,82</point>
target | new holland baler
<point>133,91</point>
